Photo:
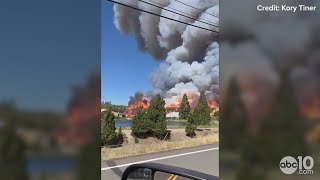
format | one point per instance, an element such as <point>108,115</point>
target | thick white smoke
<point>190,55</point>
<point>258,45</point>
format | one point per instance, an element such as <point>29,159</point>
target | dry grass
<point>139,149</point>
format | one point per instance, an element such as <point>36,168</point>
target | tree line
<point>115,108</point>
<point>152,121</point>
<point>199,116</point>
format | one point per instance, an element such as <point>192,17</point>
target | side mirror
<point>141,174</point>
<point>154,171</point>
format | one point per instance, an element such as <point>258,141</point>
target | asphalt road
<point>203,158</point>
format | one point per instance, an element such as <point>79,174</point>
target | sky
<point>47,47</point>
<point>124,69</point>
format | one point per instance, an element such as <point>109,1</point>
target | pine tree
<point>191,127</point>
<point>202,111</point>
<point>233,119</point>
<point>12,153</point>
<point>141,126</point>
<point>184,109</point>
<point>108,134</point>
<point>156,113</point>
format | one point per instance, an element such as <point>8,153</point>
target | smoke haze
<point>189,55</point>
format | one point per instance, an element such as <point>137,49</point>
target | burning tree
<point>136,103</point>
<point>184,109</point>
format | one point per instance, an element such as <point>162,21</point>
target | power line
<point>196,8</point>
<point>162,16</point>
<point>193,18</point>
<point>182,12</point>
<point>176,13</point>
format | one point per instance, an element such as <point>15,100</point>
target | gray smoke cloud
<point>282,38</point>
<point>190,55</point>
<point>258,45</point>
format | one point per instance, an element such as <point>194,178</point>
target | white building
<point>172,115</point>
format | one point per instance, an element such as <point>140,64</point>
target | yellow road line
<point>174,177</point>
<point>170,177</point>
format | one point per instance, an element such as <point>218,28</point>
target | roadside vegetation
<point>115,108</point>
<point>109,136</point>
<point>149,132</point>
<point>157,146</point>
<point>151,122</point>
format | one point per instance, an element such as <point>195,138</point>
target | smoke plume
<point>257,46</point>
<point>189,55</point>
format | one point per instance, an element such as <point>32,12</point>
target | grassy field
<point>152,145</point>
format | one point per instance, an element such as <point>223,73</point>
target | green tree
<point>216,114</point>
<point>12,153</point>
<point>233,119</point>
<point>141,126</point>
<point>191,127</point>
<point>184,109</point>
<point>120,136</point>
<point>202,111</point>
<point>156,113</point>
<point>108,134</point>
<point>105,104</point>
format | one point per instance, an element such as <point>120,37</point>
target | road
<point>203,158</point>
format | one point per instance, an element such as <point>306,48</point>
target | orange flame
<point>214,107</point>
<point>82,115</point>
<point>311,109</point>
<point>134,108</point>
<point>193,100</point>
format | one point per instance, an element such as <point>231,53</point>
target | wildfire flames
<point>214,107</point>
<point>83,113</point>
<point>311,108</point>
<point>140,102</point>
<point>135,107</point>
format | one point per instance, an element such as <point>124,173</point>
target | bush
<point>120,136</point>
<point>190,130</point>
<point>108,134</point>
<point>141,126</point>
<point>191,127</point>
<point>160,130</point>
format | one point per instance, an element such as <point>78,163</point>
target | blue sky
<point>125,70</point>
<point>46,48</point>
